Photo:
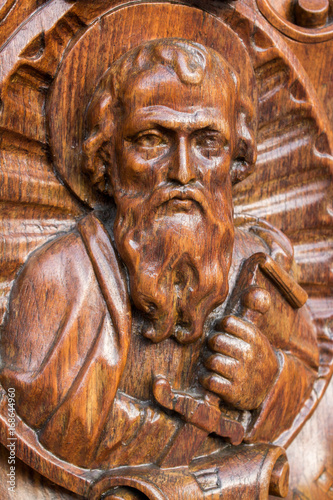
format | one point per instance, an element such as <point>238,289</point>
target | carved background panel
<point>56,58</point>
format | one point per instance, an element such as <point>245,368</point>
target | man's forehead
<point>187,119</point>
<point>160,86</point>
<point>166,98</point>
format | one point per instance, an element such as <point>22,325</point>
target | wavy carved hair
<point>189,61</point>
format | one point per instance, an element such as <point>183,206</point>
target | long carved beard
<point>178,259</point>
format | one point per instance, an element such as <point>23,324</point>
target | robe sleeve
<point>60,348</point>
<point>293,335</point>
<point>284,401</point>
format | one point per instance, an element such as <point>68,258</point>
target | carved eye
<point>150,139</point>
<point>150,144</point>
<point>208,143</point>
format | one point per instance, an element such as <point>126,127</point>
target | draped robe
<point>68,349</point>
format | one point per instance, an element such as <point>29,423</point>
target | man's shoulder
<point>56,283</point>
<point>257,235</point>
<point>63,256</point>
<point>63,249</point>
<point>254,235</point>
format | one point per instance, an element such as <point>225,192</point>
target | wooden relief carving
<point>303,20</point>
<point>166,249</point>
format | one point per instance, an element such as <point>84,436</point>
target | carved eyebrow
<point>162,116</point>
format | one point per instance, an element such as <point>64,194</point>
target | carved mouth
<point>184,200</point>
<point>185,204</point>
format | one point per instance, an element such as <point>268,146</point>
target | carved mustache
<point>164,194</point>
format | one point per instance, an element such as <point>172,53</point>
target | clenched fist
<point>243,366</point>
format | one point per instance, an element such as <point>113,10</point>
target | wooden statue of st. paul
<point>161,347</point>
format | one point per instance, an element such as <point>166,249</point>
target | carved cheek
<point>220,189</point>
<point>134,168</point>
<point>214,174</point>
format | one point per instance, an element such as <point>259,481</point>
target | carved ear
<point>246,147</point>
<point>97,148</point>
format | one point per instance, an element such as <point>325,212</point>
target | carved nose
<point>181,169</point>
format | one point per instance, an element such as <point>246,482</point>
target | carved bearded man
<point>137,290</point>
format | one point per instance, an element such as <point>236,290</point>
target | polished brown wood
<point>166,251</point>
<point>308,21</point>
<point>312,13</point>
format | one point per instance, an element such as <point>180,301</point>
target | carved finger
<point>255,302</point>
<point>239,328</point>
<point>226,344</point>
<point>257,299</point>
<point>219,385</point>
<point>223,365</point>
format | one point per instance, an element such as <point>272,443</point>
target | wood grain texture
<point>140,358</point>
<point>312,13</point>
<point>308,21</point>
<point>30,484</point>
<point>306,467</point>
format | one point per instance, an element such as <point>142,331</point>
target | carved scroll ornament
<point>161,327</point>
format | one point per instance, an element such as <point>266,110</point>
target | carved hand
<point>243,366</point>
